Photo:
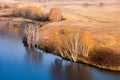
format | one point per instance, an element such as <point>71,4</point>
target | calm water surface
<point>20,63</point>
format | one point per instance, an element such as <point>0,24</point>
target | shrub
<point>101,4</point>
<point>71,43</point>
<point>87,43</point>
<point>1,6</point>
<point>105,57</point>
<point>31,35</point>
<point>33,12</point>
<point>7,6</point>
<point>19,12</point>
<point>30,12</point>
<point>86,4</point>
<point>55,15</point>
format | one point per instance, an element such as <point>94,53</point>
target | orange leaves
<point>72,42</point>
<point>87,43</point>
<point>55,15</point>
<point>87,39</point>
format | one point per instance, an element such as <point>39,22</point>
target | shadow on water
<point>65,70</point>
<point>9,29</point>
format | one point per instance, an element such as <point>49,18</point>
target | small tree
<point>31,34</point>
<point>1,6</point>
<point>72,43</point>
<point>101,4</point>
<point>86,43</point>
<point>86,4</point>
<point>55,15</point>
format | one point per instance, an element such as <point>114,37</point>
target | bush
<point>31,36</point>
<point>19,12</point>
<point>86,4</point>
<point>87,43</point>
<point>1,6</point>
<point>72,43</point>
<point>30,12</point>
<point>105,57</point>
<point>55,15</point>
<point>7,6</point>
<point>101,4</point>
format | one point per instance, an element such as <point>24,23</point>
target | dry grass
<point>106,41</point>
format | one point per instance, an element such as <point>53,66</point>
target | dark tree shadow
<point>56,69</point>
<point>69,71</point>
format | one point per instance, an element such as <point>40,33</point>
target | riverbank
<point>108,60</point>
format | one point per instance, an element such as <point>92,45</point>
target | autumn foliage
<point>87,43</point>
<point>55,15</point>
<point>72,43</point>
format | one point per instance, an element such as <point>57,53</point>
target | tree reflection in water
<point>33,54</point>
<point>56,69</point>
<point>69,71</point>
<point>8,28</point>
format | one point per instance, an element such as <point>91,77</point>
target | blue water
<point>20,63</point>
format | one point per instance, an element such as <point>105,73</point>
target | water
<point>20,63</point>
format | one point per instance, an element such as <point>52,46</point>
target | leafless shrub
<point>55,15</point>
<point>31,32</point>
<point>86,44</point>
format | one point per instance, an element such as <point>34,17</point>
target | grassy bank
<point>89,61</point>
<point>99,56</point>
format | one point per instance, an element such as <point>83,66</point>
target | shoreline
<point>83,61</point>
